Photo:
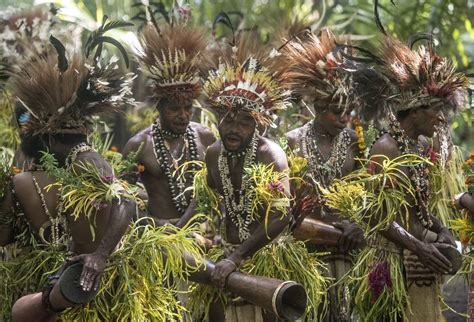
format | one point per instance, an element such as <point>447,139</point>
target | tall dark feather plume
<point>414,38</point>
<point>378,22</point>
<point>62,60</point>
<point>223,18</point>
<point>97,39</point>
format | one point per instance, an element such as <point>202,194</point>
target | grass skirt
<point>26,272</point>
<point>378,287</point>
<point>135,286</point>
<point>139,284</point>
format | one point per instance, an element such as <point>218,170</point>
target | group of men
<point>412,91</point>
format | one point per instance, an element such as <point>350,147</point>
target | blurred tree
<point>449,20</point>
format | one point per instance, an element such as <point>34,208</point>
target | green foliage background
<point>451,21</point>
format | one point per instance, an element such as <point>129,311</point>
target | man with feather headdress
<point>398,276</point>
<point>316,73</point>
<point>61,94</point>
<point>168,152</point>
<point>247,175</point>
<point>245,95</point>
<point>24,35</point>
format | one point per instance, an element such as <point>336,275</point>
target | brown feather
<point>172,58</point>
<point>315,72</point>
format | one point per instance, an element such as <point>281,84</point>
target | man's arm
<point>188,214</point>
<point>191,210</point>
<point>94,263</point>
<point>264,233</point>
<point>6,219</point>
<point>133,146</point>
<point>426,252</point>
<point>444,234</point>
<point>120,217</point>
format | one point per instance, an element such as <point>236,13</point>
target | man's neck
<point>320,131</point>
<point>409,128</point>
<point>168,133</point>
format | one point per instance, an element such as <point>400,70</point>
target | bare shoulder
<point>22,181</point>
<point>213,150</point>
<point>94,158</point>
<point>352,135</point>
<point>205,134</point>
<point>294,136</point>
<point>387,146</point>
<point>135,141</point>
<point>270,152</point>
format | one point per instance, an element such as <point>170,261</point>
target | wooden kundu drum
<point>286,299</point>
<point>317,232</point>
<point>452,254</point>
<point>70,287</point>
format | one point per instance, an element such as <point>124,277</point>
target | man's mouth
<point>232,142</point>
<point>232,139</point>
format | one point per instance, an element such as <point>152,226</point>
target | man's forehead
<point>176,103</point>
<point>234,114</point>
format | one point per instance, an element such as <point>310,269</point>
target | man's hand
<point>352,236</point>
<point>446,237</point>
<point>94,265</point>
<point>430,256</point>
<point>221,271</point>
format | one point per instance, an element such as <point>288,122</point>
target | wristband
<point>230,261</point>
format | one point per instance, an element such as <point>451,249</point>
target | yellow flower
<point>298,164</point>
<point>16,170</point>
<point>464,238</point>
<point>113,148</point>
<point>362,146</point>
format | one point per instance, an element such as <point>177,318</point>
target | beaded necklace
<point>58,224</point>
<point>165,160</point>
<point>419,173</point>
<point>324,170</point>
<point>72,156</point>
<point>239,209</point>
<point>444,140</point>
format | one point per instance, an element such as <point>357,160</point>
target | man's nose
<point>344,118</point>
<point>182,113</point>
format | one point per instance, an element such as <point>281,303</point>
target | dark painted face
<point>333,120</point>
<point>174,116</point>
<point>236,130</point>
<point>428,117</point>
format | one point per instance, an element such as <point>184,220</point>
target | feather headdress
<point>171,56</point>
<point>420,77</point>
<point>62,94</point>
<point>401,77</point>
<point>247,78</point>
<point>316,71</point>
